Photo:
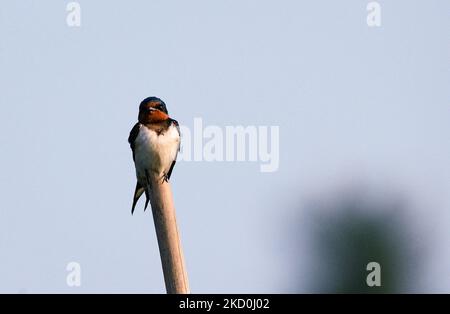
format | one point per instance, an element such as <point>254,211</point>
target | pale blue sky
<point>352,103</point>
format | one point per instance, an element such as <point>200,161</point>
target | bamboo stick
<point>172,260</point>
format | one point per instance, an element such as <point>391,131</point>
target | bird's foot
<point>164,178</point>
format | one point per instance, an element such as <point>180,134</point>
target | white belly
<point>155,153</point>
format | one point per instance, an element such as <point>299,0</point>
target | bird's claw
<point>165,178</point>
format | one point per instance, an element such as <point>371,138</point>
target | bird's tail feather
<point>137,194</point>
<point>147,198</point>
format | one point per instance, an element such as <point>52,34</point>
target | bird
<point>155,142</point>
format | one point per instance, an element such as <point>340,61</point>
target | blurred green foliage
<point>351,231</point>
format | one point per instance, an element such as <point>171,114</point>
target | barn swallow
<point>155,143</point>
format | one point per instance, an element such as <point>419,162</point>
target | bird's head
<point>152,110</point>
